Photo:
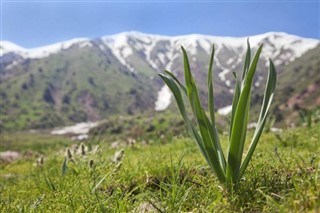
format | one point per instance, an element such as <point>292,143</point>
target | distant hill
<point>88,80</point>
<point>298,87</point>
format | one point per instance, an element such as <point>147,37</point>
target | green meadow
<point>157,175</point>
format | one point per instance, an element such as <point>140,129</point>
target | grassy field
<point>159,176</point>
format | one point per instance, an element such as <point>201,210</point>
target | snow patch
<point>230,60</point>
<point>222,75</point>
<point>225,110</point>
<point>162,58</point>
<point>275,129</point>
<point>164,99</point>
<point>205,45</point>
<point>80,137</point>
<point>77,129</point>
<point>257,84</point>
<point>85,44</point>
<point>252,125</point>
<point>13,64</point>
<point>101,47</point>
<point>126,52</point>
<point>148,54</point>
<point>120,47</point>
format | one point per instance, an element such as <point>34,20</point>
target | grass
<point>42,143</point>
<point>149,127</point>
<point>167,177</point>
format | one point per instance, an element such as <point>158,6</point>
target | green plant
<point>228,170</point>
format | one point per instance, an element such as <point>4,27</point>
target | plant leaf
<point>267,99</point>
<point>181,106</point>
<point>239,126</point>
<point>246,61</point>
<point>203,147</point>
<point>214,131</point>
<point>211,144</point>
<point>234,102</point>
<point>177,94</point>
<point>177,81</point>
<point>210,88</point>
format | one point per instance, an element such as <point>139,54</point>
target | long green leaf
<point>210,142</point>
<point>173,87</point>
<point>177,81</point>
<point>210,88</point>
<point>214,136</point>
<point>214,132</point>
<point>206,151</point>
<point>246,61</point>
<point>239,126</point>
<point>234,101</point>
<point>267,99</point>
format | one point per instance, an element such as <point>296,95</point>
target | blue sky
<point>32,24</point>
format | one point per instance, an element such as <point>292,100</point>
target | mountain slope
<point>77,85</point>
<point>84,79</point>
<point>301,90</point>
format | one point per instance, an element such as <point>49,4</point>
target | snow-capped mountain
<point>138,57</point>
<point>8,47</point>
<point>125,44</point>
<point>159,50</point>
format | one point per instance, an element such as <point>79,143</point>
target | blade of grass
<point>99,183</point>
<point>64,166</point>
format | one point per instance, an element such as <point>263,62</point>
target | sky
<point>36,23</point>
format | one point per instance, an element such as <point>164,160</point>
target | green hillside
<point>298,87</point>
<point>89,84</point>
<point>78,85</point>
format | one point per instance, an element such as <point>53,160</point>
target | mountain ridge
<point>46,50</point>
<point>155,35</point>
<point>89,79</point>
